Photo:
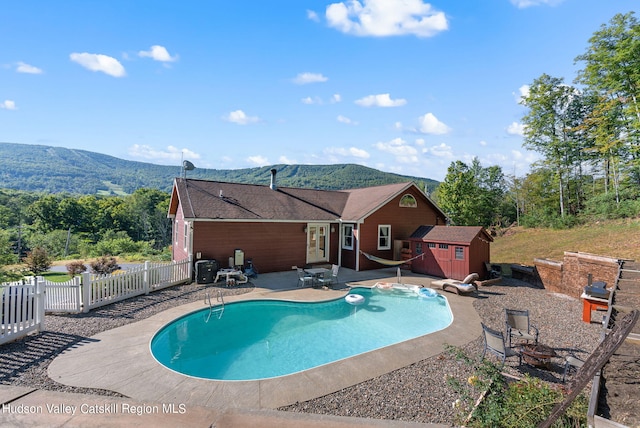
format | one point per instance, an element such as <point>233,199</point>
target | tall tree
<point>472,195</point>
<point>612,70</point>
<point>554,111</point>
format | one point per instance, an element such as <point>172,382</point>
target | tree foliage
<point>589,135</point>
<point>473,195</point>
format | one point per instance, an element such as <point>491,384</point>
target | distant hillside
<point>37,168</point>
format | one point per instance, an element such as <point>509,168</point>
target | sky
<point>402,86</point>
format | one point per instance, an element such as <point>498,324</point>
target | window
<point>459,253</point>
<point>408,201</point>
<point>384,237</point>
<point>418,247</point>
<point>177,233</point>
<point>431,244</point>
<point>347,236</point>
<point>443,246</point>
<point>186,235</point>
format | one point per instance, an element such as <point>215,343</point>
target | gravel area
<point>419,392</point>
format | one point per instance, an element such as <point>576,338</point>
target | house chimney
<point>273,186</point>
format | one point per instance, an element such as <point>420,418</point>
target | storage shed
<point>450,251</point>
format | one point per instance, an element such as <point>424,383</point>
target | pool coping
<point>120,360</point>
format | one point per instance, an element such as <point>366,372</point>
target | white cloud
<point>344,119</point>
<point>8,105</point>
<point>523,92</point>
<point>99,62</point>
<point>348,152</point>
<point>380,100</point>
<point>311,100</point>
<point>521,4</point>
<point>241,118</point>
<point>386,18</point>
<point>336,98</point>
<point>171,153</point>
<point>29,69</point>
<point>429,124</point>
<point>403,152</point>
<point>158,53</point>
<point>312,15</point>
<point>305,78</point>
<point>286,160</point>
<point>483,143</point>
<point>515,129</point>
<point>258,160</point>
<point>441,150</point>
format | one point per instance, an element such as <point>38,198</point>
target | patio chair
<point>304,278</point>
<point>466,286</point>
<point>494,343</point>
<point>332,278</point>
<point>569,362</point>
<point>518,326</point>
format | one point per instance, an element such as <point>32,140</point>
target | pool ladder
<point>207,300</point>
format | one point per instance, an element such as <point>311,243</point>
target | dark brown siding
<point>273,247</point>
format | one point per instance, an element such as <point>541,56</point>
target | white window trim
<point>186,236</point>
<point>346,227</point>
<point>388,227</point>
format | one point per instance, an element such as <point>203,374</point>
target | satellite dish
<point>188,166</point>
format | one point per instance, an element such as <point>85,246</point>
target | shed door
<point>459,261</point>
<point>443,257</point>
<point>317,243</point>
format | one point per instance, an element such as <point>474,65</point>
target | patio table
<point>316,273</point>
<point>231,274</point>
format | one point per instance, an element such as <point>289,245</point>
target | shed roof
<point>456,234</point>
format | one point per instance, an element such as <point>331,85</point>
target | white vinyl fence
<point>22,310</point>
<point>24,303</point>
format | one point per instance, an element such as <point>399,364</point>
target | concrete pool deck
<point>120,360</point>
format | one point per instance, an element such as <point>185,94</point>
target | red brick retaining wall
<point>572,274</point>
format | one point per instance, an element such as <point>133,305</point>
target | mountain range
<point>39,168</point>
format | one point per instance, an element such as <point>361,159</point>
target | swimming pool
<point>261,339</point>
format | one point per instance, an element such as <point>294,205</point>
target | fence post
<point>190,268</point>
<point>39,304</point>
<point>145,280</point>
<point>86,291</point>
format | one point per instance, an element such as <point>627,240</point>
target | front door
<point>317,243</point>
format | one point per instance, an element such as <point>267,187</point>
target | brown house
<point>450,251</point>
<point>280,227</point>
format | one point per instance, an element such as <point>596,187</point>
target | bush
<point>75,268</point>
<point>104,265</point>
<point>524,403</point>
<point>38,260</point>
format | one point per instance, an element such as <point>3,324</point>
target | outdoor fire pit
<point>538,355</point>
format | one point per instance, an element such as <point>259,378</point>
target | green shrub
<point>516,404</point>
<point>104,265</point>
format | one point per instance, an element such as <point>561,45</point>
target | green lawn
<point>619,239</point>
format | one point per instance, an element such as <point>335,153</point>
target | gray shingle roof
<point>462,234</point>
<point>203,199</point>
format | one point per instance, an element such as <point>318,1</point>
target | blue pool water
<point>260,339</point>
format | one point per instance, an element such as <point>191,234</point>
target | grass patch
<point>56,276</point>
<point>618,239</point>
